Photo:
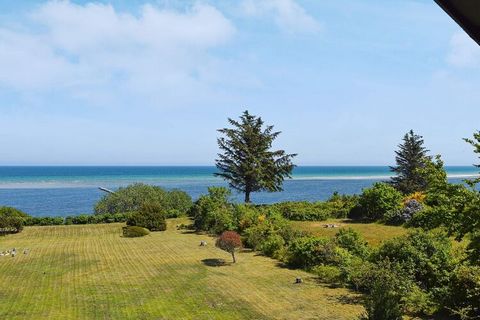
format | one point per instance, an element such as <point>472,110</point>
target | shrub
<point>303,210</point>
<point>464,295</point>
<point>384,301</point>
<point>307,252</point>
<point>352,241</point>
<point>340,205</point>
<point>12,220</point>
<point>213,213</point>
<point>425,256</point>
<point>473,248</point>
<point>150,216</point>
<point>229,241</point>
<point>130,198</point>
<point>376,201</point>
<point>44,221</point>
<point>134,231</point>
<point>273,244</point>
<point>402,215</point>
<point>328,274</point>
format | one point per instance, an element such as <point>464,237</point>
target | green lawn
<point>90,271</point>
<point>373,233</point>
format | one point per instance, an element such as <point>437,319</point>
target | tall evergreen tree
<point>410,157</point>
<point>475,143</point>
<point>247,161</point>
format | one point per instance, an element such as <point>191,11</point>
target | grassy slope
<point>85,272</point>
<point>373,233</point>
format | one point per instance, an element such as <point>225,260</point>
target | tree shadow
<point>215,262</point>
<point>350,299</point>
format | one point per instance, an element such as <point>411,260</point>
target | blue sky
<point>149,82</point>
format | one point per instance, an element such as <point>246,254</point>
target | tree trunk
<point>233,256</point>
<point>247,196</point>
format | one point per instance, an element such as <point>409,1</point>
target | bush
<point>134,231</point>
<point>388,289</point>
<point>376,201</point>
<point>303,210</point>
<point>44,221</point>
<point>425,256</point>
<point>402,215</point>
<point>12,220</point>
<point>352,241</point>
<point>340,205</point>
<point>150,216</point>
<point>130,199</point>
<point>307,252</point>
<point>213,213</point>
<point>464,295</point>
<point>328,274</point>
<point>473,248</point>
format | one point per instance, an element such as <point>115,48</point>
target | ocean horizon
<point>69,190</point>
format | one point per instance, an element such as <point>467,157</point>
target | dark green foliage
<point>134,231</point>
<point>425,256</point>
<point>150,216</point>
<point>213,212</point>
<point>387,290</point>
<point>130,199</point>
<point>11,220</point>
<point>475,143</point>
<point>376,201</point>
<point>352,241</point>
<point>44,221</point>
<point>307,252</point>
<point>247,161</point>
<point>464,295</point>
<point>409,158</point>
<point>473,249</point>
<point>303,210</point>
<point>340,205</point>
<point>97,218</point>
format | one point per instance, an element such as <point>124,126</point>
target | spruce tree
<point>410,157</point>
<point>475,143</point>
<point>247,161</point>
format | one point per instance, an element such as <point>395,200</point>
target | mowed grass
<point>373,233</point>
<point>91,272</point>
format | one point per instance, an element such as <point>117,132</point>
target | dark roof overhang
<point>466,13</point>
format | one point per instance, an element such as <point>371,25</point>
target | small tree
<point>475,143</point>
<point>409,158</point>
<point>247,161</point>
<point>150,216</point>
<point>229,241</point>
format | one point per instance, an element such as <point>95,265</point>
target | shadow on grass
<point>215,262</point>
<point>350,299</point>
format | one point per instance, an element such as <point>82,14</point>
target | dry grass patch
<point>373,233</point>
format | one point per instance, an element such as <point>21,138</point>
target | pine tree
<point>247,161</point>
<point>410,158</point>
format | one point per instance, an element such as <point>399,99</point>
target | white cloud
<point>92,47</point>
<point>464,52</point>
<point>287,14</point>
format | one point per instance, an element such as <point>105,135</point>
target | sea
<point>71,190</point>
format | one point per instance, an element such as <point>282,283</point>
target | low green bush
<point>303,210</point>
<point>150,216</point>
<point>12,220</point>
<point>175,203</point>
<point>44,221</point>
<point>376,201</point>
<point>352,241</point>
<point>134,231</point>
<point>213,212</point>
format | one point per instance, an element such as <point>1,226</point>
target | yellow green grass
<point>91,272</point>
<point>373,233</point>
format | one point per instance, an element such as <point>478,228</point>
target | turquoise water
<point>62,191</point>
